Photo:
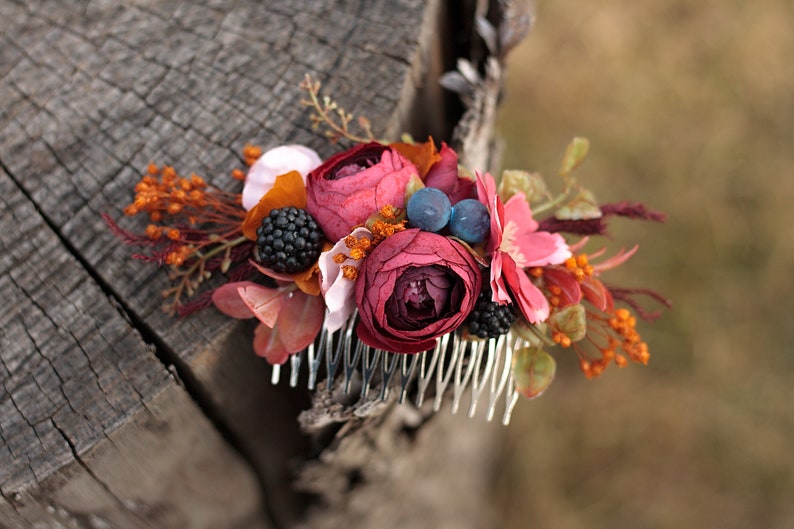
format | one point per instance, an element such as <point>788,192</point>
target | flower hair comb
<point>394,273</point>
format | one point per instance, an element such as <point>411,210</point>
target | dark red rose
<point>414,287</point>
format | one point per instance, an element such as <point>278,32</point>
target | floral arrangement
<point>396,246</point>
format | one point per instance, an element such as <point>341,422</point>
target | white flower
<point>277,161</point>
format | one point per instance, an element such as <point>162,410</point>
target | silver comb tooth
<point>461,378</point>
<point>479,380</point>
<point>295,366</point>
<point>426,373</point>
<point>406,372</point>
<point>369,363</point>
<point>511,398</point>
<point>502,346</point>
<point>387,371</point>
<point>442,377</point>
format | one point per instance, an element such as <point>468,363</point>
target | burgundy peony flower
<point>349,187</point>
<point>444,176</point>
<point>414,287</point>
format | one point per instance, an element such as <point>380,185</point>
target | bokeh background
<point>689,107</point>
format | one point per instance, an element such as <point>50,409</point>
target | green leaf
<point>582,206</point>
<point>533,371</point>
<point>575,154</point>
<point>571,321</point>
<point>516,181</point>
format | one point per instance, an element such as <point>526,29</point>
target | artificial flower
<point>414,287</point>
<point>514,245</point>
<point>349,187</point>
<point>338,273</point>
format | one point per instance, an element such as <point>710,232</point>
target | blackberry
<point>489,319</point>
<point>289,240</point>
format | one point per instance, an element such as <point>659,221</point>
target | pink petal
<point>498,288</point>
<point>338,291</point>
<point>517,210</point>
<point>264,302</point>
<point>226,299</point>
<point>542,248</point>
<point>268,344</point>
<point>529,298</point>
<point>300,320</point>
<point>621,257</point>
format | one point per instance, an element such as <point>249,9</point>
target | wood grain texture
<point>93,91</point>
<point>93,427</point>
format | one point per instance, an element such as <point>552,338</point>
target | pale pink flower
<point>514,245</point>
<point>339,290</point>
<point>277,161</point>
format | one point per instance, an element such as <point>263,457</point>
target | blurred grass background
<point>689,107</point>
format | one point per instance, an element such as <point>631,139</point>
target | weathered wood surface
<point>94,427</point>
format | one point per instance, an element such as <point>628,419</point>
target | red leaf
<point>226,299</point>
<point>264,302</point>
<point>300,320</point>
<point>268,344</point>
<point>596,293</point>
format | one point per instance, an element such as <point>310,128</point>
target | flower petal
<point>423,155</point>
<point>529,298</point>
<point>277,161</point>
<point>541,248</point>
<point>289,190</point>
<point>339,291</point>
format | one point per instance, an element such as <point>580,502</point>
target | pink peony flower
<point>515,244</point>
<point>414,287</point>
<point>349,187</point>
<point>275,162</point>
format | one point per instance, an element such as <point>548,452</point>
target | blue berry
<point>470,221</point>
<point>429,209</point>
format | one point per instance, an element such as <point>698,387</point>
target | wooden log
<point>93,427</point>
<point>92,92</point>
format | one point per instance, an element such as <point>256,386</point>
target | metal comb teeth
<point>457,367</point>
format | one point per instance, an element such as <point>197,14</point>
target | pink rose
<point>351,186</point>
<point>414,287</point>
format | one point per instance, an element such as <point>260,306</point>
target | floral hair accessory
<point>391,261</point>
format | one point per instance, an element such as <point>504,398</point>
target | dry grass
<point>689,107</point>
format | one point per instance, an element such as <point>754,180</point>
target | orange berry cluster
<point>169,194</point>
<point>624,338</point>
<point>579,267</point>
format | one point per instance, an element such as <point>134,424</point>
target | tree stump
<point>114,414</point>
